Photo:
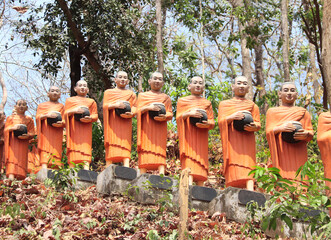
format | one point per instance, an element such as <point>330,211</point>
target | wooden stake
<point>183,203</point>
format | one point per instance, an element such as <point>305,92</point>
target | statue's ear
<point>189,87</point>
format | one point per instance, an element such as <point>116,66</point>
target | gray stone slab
<point>146,189</point>
<point>125,173</point>
<point>203,193</point>
<point>87,176</point>
<point>161,182</point>
<point>109,182</point>
<point>245,196</point>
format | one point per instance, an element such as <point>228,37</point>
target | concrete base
<point>150,189</point>
<point>200,197</point>
<point>85,178</point>
<point>232,201</point>
<point>115,179</point>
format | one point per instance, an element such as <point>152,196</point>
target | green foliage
<point>14,211</point>
<point>293,199</point>
<point>98,147</point>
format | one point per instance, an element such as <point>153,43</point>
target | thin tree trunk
<point>75,67</point>
<point>140,84</point>
<point>285,38</point>
<point>316,86</point>
<point>159,45</point>
<point>246,60</point>
<point>259,75</point>
<point>4,93</point>
<point>202,47</point>
<point>326,46</point>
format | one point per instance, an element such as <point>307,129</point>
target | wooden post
<point>183,203</point>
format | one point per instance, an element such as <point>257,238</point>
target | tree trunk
<point>159,45</point>
<point>326,46</point>
<point>246,60</point>
<point>4,93</point>
<point>285,38</point>
<point>314,76</point>
<point>75,67</point>
<point>259,75</point>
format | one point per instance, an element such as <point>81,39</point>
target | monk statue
<point>50,130</point>
<point>238,119</point>
<point>19,129</point>
<point>2,128</point>
<point>324,144</point>
<point>288,130</point>
<point>153,112</point>
<point>79,113</point>
<point>119,107</point>
<point>194,118</point>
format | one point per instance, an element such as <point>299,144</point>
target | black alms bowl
<point>127,108</point>
<point>289,136</point>
<point>58,118</point>
<point>240,124</point>
<point>22,130</point>
<point>194,120</point>
<point>86,112</point>
<point>162,110</point>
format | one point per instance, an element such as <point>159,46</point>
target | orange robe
<point>16,150</point>
<point>193,141</point>
<point>33,157</point>
<point>151,134</point>
<point>117,130</point>
<point>288,157</point>
<point>79,134</point>
<point>324,143</point>
<point>49,137</point>
<point>238,146</point>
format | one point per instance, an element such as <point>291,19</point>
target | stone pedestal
<point>115,179</point>
<point>150,189</point>
<point>200,197</point>
<point>85,178</point>
<point>232,201</point>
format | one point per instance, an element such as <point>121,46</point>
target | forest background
<point>45,43</point>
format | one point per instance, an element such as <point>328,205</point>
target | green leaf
<point>287,220</point>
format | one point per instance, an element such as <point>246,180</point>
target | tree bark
<point>159,44</point>
<point>314,76</point>
<point>260,85</point>
<point>183,203</point>
<point>4,93</point>
<point>326,46</point>
<point>83,45</point>
<point>75,68</point>
<point>285,38</point>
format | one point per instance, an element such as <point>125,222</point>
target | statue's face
<point>21,107</point>
<point>288,94</point>
<point>156,81</point>
<point>54,93</point>
<point>240,87</point>
<point>81,88</point>
<point>197,86</point>
<point>121,79</point>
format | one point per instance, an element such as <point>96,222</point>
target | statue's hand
<point>237,116</point>
<point>78,110</point>
<point>127,115</point>
<point>161,118</point>
<point>301,135</point>
<point>120,105</point>
<point>86,119</point>
<point>51,115</point>
<point>287,127</point>
<point>58,124</point>
<point>153,107</point>
<point>195,113</point>
<point>204,124</point>
<point>252,127</point>
<point>24,136</point>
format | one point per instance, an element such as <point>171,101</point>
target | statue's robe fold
<point>117,130</point>
<point>239,151</point>
<point>288,157</point>
<point>49,137</point>
<point>151,134</point>
<point>193,141</point>
<point>79,134</point>
<point>16,150</point>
